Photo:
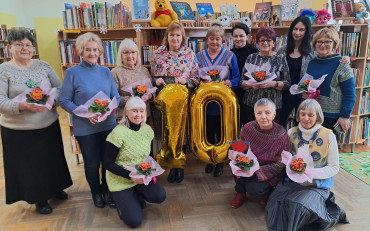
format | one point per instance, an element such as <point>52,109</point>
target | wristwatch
<point>277,84</point>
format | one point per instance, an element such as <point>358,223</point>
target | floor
<point>201,202</point>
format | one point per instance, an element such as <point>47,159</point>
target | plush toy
<point>361,13</point>
<point>163,16</point>
<point>323,17</point>
<point>224,20</point>
<point>247,21</point>
<point>309,14</point>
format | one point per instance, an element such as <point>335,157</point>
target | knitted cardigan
<point>267,145</point>
<point>134,148</point>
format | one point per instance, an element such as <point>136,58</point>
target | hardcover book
<point>343,8</point>
<point>183,10</point>
<point>275,15</point>
<point>262,11</point>
<point>205,11</point>
<point>230,10</point>
<point>140,10</point>
<point>289,9</point>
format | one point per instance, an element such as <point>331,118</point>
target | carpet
<point>357,164</point>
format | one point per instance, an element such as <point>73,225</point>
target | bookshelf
<point>149,35</point>
<point>5,54</point>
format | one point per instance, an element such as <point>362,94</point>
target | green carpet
<point>358,164</point>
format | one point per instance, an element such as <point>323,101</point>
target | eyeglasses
<point>21,45</point>
<point>127,53</point>
<point>265,41</point>
<point>327,43</point>
<point>95,50</point>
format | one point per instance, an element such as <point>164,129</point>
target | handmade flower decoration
<point>239,145</point>
<point>147,170</point>
<point>308,85</point>
<point>140,88</point>
<point>41,95</point>
<point>243,165</point>
<point>103,30</point>
<point>99,105</point>
<point>258,74</point>
<point>138,27</point>
<point>213,73</point>
<point>299,167</point>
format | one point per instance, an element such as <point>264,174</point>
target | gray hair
<point>85,38</point>
<point>128,44</point>
<point>265,102</point>
<point>312,105</point>
<point>133,103</point>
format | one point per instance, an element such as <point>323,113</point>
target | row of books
<point>363,130</point>
<point>366,77</point>
<point>5,51</point>
<point>148,53</point>
<point>95,15</point>
<point>69,53</point>
<point>3,33</point>
<point>350,45</point>
<point>365,102</point>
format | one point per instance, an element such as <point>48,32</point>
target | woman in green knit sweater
<point>129,144</point>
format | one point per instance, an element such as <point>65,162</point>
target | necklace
<point>22,67</point>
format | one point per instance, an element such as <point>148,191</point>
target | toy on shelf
<point>163,16</point>
<point>323,17</point>
<point>361,13</point>
<point>224,20</point>
<point>309,14</point>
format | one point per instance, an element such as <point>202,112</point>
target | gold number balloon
<point>173,103</point>
<point>228,102</point>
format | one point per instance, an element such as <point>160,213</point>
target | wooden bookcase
<point>147,34</point>
<point>5,54</point>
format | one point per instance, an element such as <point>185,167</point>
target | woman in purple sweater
<point>267,140</point>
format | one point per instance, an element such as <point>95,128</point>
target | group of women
<point>34,162</point>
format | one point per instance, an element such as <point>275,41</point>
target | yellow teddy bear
<point>163,16</point>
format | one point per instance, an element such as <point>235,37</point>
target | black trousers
<point>252,187</point>
<point>128,201</point>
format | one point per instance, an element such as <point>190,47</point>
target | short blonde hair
<point>215,30</point>
<point>85,38</point>
<point>312,105</point>
<point>328,32</point>
<point>128,44</point>
<point>173,27</point>
<point>133,103</point>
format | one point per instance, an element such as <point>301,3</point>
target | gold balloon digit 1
<point>228,102</point>
<point>173,103</point>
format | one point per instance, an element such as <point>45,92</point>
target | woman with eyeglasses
<point>173,62</point>
<point>337,92</point>
<point>35,168</point>
<point>80,84</point>
<point>266,38</point>
<point>128,71</point>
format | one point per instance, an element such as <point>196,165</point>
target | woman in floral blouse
<point>173,62</point>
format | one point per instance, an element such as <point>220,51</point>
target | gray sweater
<point>12,83</point>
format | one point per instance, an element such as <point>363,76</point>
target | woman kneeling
<point>129,144</point>
<point>292,205</point>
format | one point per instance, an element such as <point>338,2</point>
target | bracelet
<point>277,84</point>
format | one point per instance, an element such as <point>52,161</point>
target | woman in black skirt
<point>34,163</point>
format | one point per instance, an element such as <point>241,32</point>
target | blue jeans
<point>92,149</point>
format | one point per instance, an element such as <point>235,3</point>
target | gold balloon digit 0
<point>228,102</point>
<point>173,103</point>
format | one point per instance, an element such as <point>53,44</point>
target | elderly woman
<point>337,93</point>
<point>35,168</point>
<point>272,90</point>
<point>267,139</point>
<point>129,144</point>
<point>80,84</point>
<point>216,55</point>
<point>173,62</point>
<point>242,49</point>
<point>291,205</point>
<point>128,71</point>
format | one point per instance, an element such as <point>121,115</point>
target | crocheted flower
<point>99,106</point>
<point>259,75</point>
<point>37,96</point>
<point>144,168</point>
<point>215,75</point>
<point>139,90</point>
<point>243,162</point>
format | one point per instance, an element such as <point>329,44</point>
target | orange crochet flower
<point>141,89</point>
<point>144,166</point>
<point>36,94</point>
